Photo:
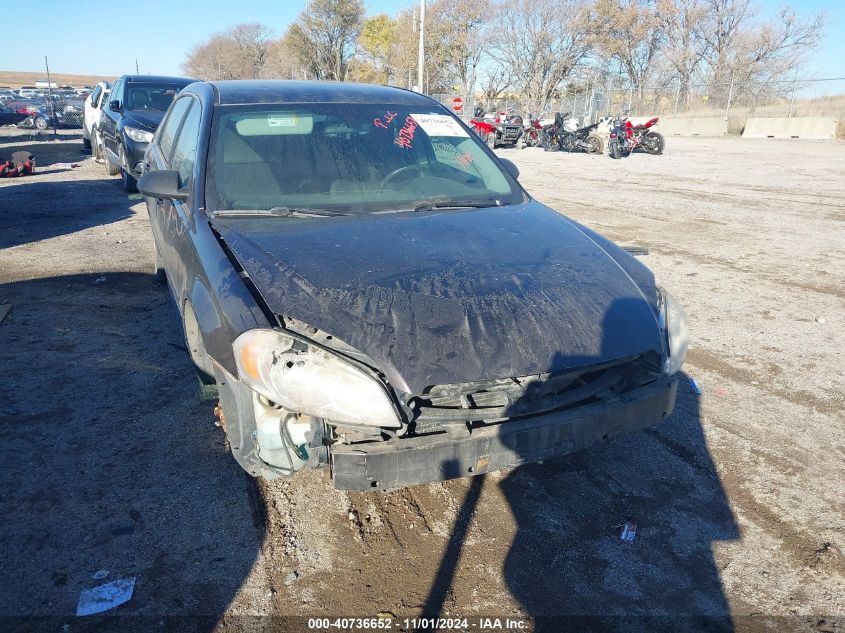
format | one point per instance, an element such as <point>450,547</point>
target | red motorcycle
<point>625,137</point>
<point>532,135</point>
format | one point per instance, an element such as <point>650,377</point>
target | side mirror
<point>163,185</point>
<point>114,106</point>
<point>513,170</point>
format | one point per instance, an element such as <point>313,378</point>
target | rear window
<point>357,158</point>
<point>148,96</point>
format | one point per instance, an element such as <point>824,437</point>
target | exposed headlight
<point>311,381</point>
<point>673,321</point>
<point>139,136</point>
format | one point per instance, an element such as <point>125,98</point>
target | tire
<point>490,139</point>
<point>567,143</point>
<point>550,143</point>
<point>520,143</point>
<point>111,168</point>
<point>96,145</point>
<point>41,123</point>
<point>595,144</point>
<point>613,150</point>
<point>130,185</point>
<point>655,143</point>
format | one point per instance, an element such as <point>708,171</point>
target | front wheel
<point>594,144</point>
<point>550,142</point>
<point>41,123</point>
<point>490,139</point>
<point>654,143</point>
<point>613,149</point>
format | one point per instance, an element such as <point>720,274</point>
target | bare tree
<point>458,29</point>
<point>540,42</point>
<point>686,46</point>
<point>634,37</point>
<point>240,52</point>
<point>324,37</point>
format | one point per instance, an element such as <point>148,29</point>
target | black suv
<point>137,105</point>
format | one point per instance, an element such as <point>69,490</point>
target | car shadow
<point>567,566</point>
<point>29,213</point>
<point>111,461</point>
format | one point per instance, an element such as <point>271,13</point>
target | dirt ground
<point>110,460</point>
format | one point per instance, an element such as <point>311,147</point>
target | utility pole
<point>421,57</point>
<point>730,98</point>
<point>52,109</point>
<point>792,99</point>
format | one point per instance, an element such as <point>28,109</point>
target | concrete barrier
<point>814,127</point>
<point>689,126</point>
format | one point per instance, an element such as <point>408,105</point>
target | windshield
<point>348,158</point>
<point>143,96</point>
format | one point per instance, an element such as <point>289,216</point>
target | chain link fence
<point>592,97</point>
<point>42,111</point>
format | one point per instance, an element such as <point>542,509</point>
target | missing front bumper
<point>412,461</point>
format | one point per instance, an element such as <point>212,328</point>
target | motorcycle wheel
<point>490,139</point>
<point>550,143</point>
<point>594,144</point>
<point>613,150</point>
<point>654,143</point>
<point>520,143</point>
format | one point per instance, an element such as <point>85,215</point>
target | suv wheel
<point>130,185</point>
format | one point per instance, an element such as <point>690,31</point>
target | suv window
<point>95,95</point>
<point>185,152</point>
<point>117,90</point>
<point>171,125</point>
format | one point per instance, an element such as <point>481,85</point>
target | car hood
<point>449,297</point>
<point>145,119</point>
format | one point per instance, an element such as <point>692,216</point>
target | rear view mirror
<point>163,185</point>
<point>114,106</point>
<point>513,170</point>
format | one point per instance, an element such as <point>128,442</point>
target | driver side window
<point>185,152</point>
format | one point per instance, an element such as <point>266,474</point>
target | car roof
<point>147,79</point>
<point>286,91</point>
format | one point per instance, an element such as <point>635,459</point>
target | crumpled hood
<point>454,296</point>
<point>144,119</point>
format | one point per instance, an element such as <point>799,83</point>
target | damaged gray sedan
<point>373,292</point>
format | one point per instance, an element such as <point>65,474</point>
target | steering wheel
<point>407,169</point>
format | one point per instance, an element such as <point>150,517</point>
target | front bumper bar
<point>419,460</point>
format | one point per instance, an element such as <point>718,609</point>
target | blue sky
<point>105,38</point>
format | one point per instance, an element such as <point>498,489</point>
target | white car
<point>91,119</point>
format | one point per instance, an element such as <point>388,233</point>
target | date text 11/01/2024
<point>388,623</point>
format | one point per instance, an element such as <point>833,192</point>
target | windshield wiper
<point>458,204</point>
<point>281,212</point>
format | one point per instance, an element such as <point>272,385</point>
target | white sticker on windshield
<point>439,125</point>
<point>281,120</point>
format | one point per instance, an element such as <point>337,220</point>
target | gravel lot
<point>110,459</point>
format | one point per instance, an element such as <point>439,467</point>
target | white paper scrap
<point>105,597</point>
<point>439,125</point>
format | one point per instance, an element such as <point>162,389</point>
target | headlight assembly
<point>311,381</point>
<point>139,136</point>
<point>673,322</point>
